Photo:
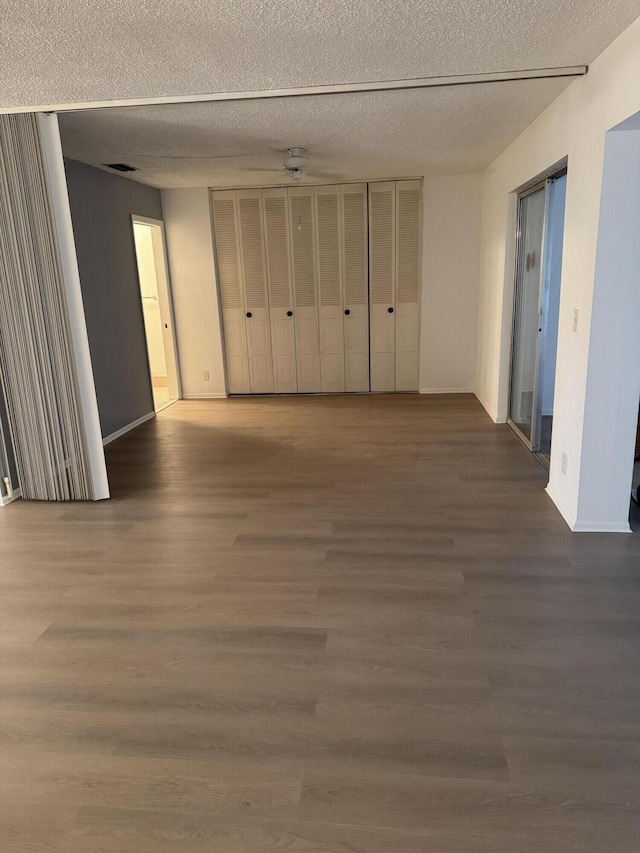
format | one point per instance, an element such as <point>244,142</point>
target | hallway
<point>332,624</point>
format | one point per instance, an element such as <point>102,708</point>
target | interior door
<point>382,261</point>
<point>303,274</point>
<point>256,303</point>
<point>355,286</point>
<point>408,240</point>
<point>231,297</point>
<point>526,322</point>
<point>329,255</point>
<point>283,339</point>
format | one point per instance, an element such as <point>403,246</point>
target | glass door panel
<point>524,356</point>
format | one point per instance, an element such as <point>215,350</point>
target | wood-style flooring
<point>347,624</point>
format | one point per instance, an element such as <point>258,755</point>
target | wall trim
<point>446,391</point>
<point>560,505</point>
<point>602,527</point>
<point>214,396</point>
<point>125,429</point>
<point>5,501</point>
<point>489,410</point>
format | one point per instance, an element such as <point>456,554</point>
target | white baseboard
<point>490,410</point>
<point>585,526</point>
<point>215,396</point>
<point>5,501</point>
<point>119,432</point>
<point>446,391</point>
<point>602,527</point>
<point>562,508</point>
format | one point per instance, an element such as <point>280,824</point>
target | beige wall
<point>193,284</point>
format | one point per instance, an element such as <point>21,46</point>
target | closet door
<point>382,262</point>
<point>256,303</point>
<point>408,240</point>
<point>331,316</point>
<point>229,283</point>
<point>283,341</point>
<point>303,274</point>
<point>355,286</point>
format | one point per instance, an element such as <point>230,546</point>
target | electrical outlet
<point>565,462</point>
<point>576,317</point>
<point>205,375</point>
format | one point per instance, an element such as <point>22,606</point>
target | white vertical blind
<point>37,366</point>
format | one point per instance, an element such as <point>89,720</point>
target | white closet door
<point>256,303</point>
<point>355,286</point>
<point>303,274</point>
<point>408,239</point>
<point>283,340</point>
<point>382,263</point>
<point>229,282</point>
<point>328,234</point>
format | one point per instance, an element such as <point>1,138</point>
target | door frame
<point>164,287</point>
<point>532,443</point>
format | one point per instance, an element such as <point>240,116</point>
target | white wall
<point>193,285</point>
<point>451,249</point>
<point>574,125</point>
<point>450,279</point>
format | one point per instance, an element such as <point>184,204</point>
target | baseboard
<point>214,396</point>
<point>585,526</point>
<point>490,410</point>
<point>119,432</point>
<point>5,501</point>
<point>602,527</point>
<point>562,508</point>
<point>446,391</point>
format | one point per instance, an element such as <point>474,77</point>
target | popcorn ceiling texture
<point>62,51</point>
<point>349,137</point>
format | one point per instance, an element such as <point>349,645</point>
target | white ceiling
<point>65,51</point>
<point>348,137</point>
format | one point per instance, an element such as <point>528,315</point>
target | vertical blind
<point>37,367</point>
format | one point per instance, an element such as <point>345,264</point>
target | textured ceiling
<point>63,51</point>
<point>349,137</point>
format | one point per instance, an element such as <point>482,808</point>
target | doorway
<point>536,311</point>
<point>157,311</point>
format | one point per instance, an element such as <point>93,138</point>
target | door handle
<point>390,310</point>
<point>248,313</point>
<point>347,312</point>
<point>289,313</point>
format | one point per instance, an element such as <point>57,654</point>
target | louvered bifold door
<point>225,225</point>
<point>355,286</point>
<point>408,240</point>
<point>254,280</point>
<point>382,262</point>
<point>305,297</point>
<point>331,308</point>
<point>283,339</point>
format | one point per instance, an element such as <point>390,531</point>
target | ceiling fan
<point>296,165</point>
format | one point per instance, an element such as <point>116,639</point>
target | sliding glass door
<point>536,305</point>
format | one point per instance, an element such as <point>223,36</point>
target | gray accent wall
<point>101,208</point>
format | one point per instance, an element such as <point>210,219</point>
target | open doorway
<point>157,310</point>
<point>536,311</point>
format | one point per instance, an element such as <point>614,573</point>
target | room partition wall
<point>54,451</point>
<point>319,287</point>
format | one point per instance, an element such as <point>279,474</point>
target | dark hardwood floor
<point>318,625</point>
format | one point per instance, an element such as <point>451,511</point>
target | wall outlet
<point>565,462</point>
<point>576,318</point>
<point>205,375</point>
